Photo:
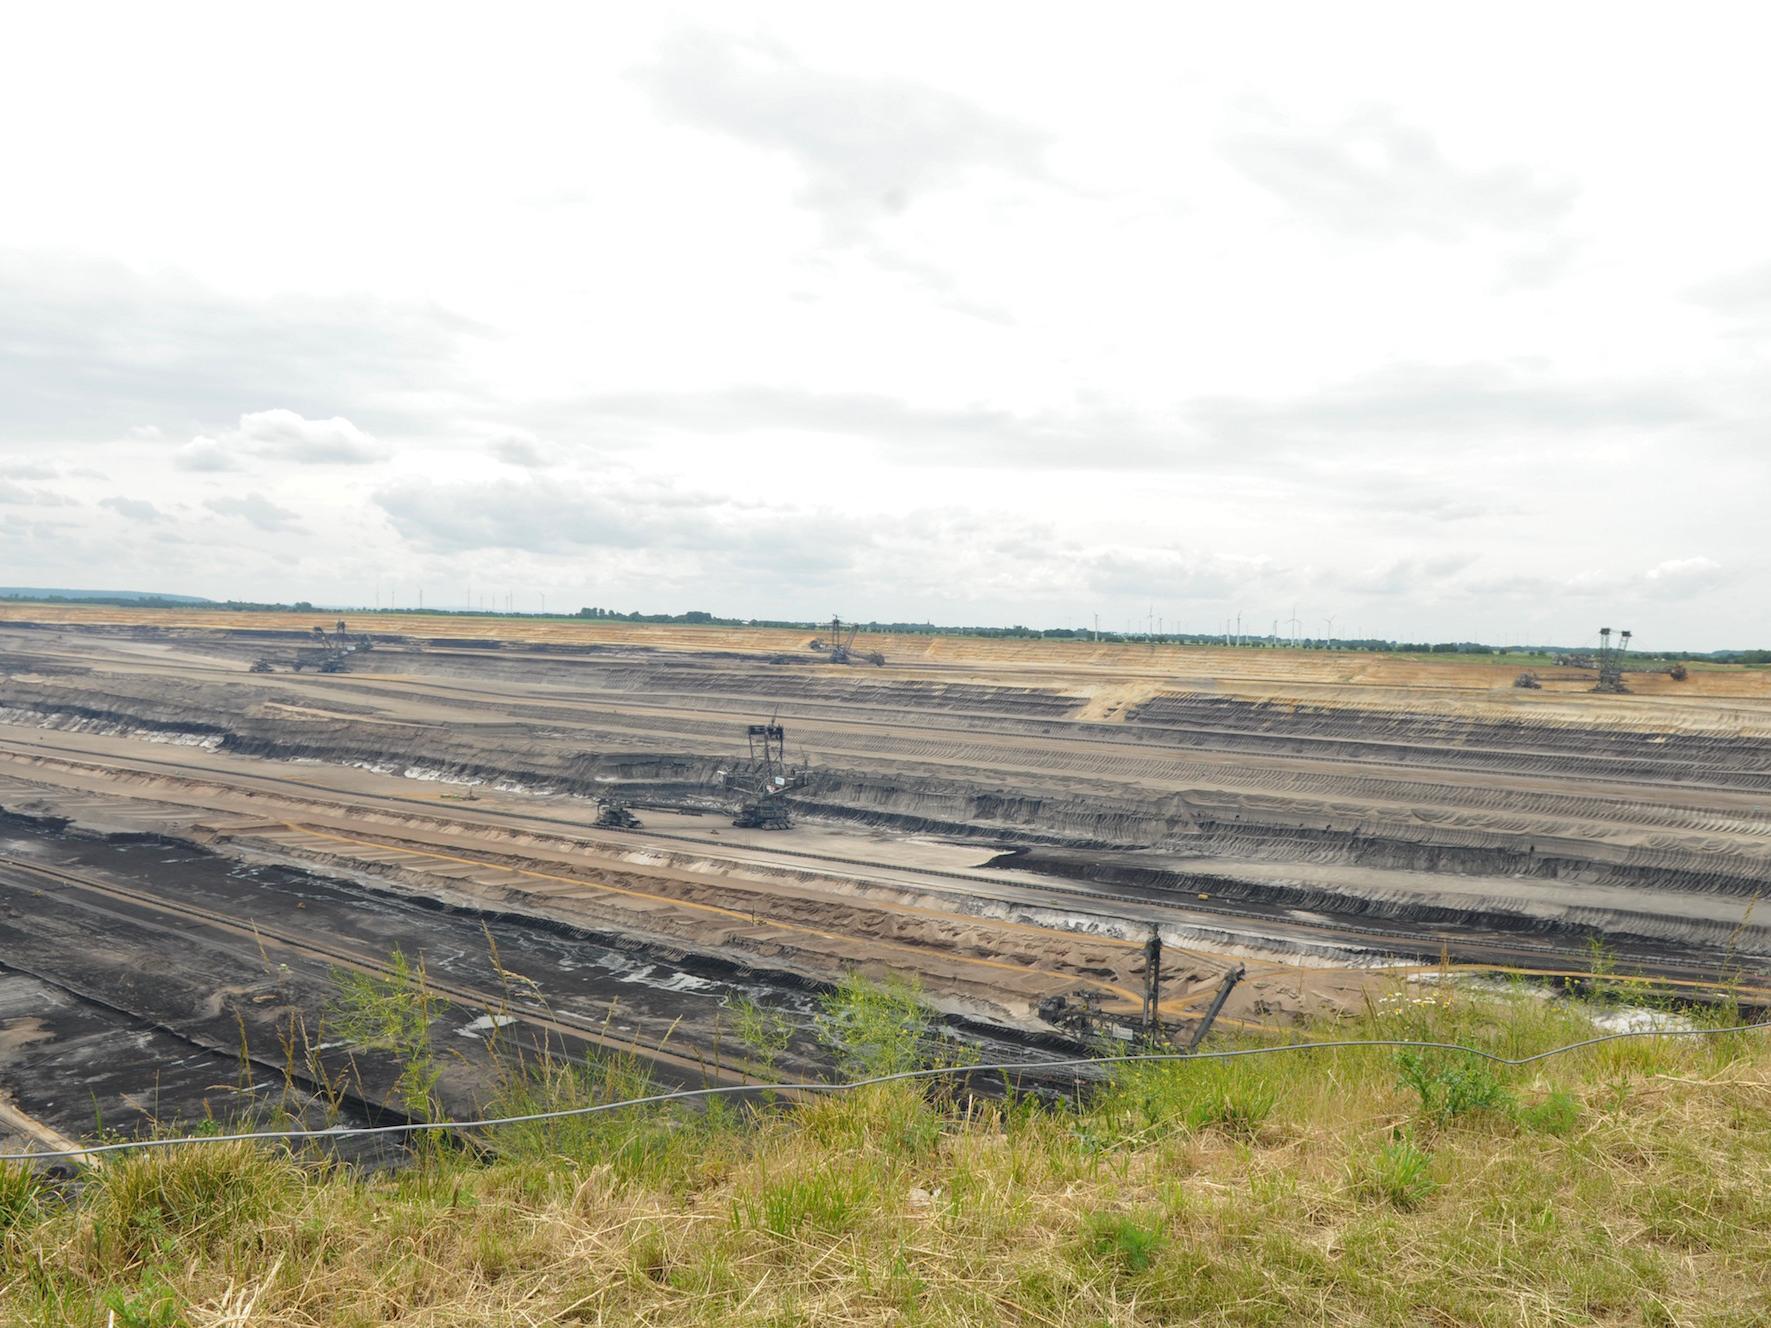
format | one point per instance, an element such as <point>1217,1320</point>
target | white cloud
<point>1685,576</point>
<point>281,435</point>
<point>956,312</point>
<point>284,434</point>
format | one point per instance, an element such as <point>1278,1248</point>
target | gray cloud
<point>708,546</point>
<point>1400,495</point>
<point>521,450</point>
<point>1408,576</point>
<point>1097,436</point>
<point>206,454</point>
<point>136,509</point>
<point>28,470</point>
<point>91,350</point>
<point>514,515</point>
<point>24,496</point>
<point>1420,405</point>
<point>1168,574</point>
<point>631,515</point>
<point>254,508</point>
<point>1674,579</point>
<point>867,146</point>
<point>1434,404</point>
<point>1742,294</point>
<point>1378,177</point>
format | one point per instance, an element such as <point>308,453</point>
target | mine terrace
<point>207,816</point>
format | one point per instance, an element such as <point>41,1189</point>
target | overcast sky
<point>1444,321</point>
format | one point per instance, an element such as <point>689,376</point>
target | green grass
<point>1399,1173</point>
<point>1628,1184</point>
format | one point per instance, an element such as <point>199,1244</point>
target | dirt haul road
<point>1004,820</point>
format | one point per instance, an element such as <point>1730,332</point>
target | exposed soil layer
<point>118,1015</point>
<point>1003,820</point>
<point>1666,803</point>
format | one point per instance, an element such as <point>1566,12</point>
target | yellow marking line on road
<point>745,916</point>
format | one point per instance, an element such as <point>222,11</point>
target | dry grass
<point>1630,1184</point>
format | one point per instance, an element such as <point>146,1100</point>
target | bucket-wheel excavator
<point>840,648</point>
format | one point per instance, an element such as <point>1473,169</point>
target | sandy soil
<point>1248,671</point>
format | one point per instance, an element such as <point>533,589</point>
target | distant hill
<point>118,596</point>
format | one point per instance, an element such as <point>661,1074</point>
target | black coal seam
<point>371,1110</point>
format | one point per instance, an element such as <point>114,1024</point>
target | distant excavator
<point>339,645</point>
<point>613,812</point>
<point>1611,664</point>
<point>840,649</point>
<point>1611,661</point>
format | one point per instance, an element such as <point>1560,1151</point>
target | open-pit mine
<point>197,838</point>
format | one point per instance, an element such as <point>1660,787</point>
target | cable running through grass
<point>1004,1067</point>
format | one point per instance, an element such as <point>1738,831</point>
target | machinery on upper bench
<point>840,648</point>
<point>1609,663</point>
<point>761,785</point>
<point>337,647</point>
<point>613,813</point>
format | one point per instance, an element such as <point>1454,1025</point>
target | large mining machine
<point>1611,661</point>
<point>613,813</point>
<point>840,649</point>
<point>336,646</point>
<point>762,783</point>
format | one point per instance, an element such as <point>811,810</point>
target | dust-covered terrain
<point>1004,821</point>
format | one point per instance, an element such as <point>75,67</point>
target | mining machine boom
<point>337,646</point>
<point>841,646</point>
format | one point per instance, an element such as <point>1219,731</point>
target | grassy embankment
<point>1624,1184</point>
